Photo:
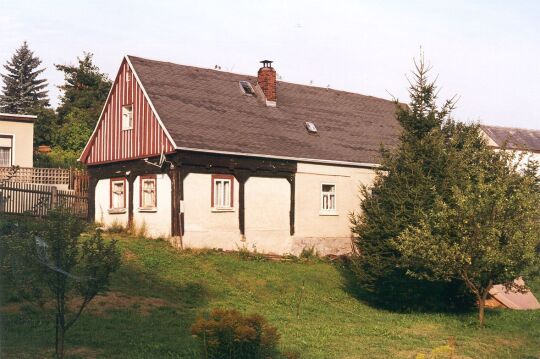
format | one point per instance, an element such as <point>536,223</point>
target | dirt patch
<point>118,301</point>
<point>128,255</point>
<point>103,303</point>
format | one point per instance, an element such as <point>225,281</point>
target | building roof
<point>514,138</point>
<point>205,109</point>
<point>16,117</point>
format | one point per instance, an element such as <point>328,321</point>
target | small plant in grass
<point>116,227</point>
<point>227,333</point>
<point>308,253</point>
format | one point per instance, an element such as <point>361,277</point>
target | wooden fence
<point>37,200</point>
<point>68,178</point>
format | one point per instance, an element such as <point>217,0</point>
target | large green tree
<point>84,92</point>
<point>85,88</point>
<point>23,89</point>
<point>413,175</point>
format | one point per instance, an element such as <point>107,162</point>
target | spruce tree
<point>23,90</point>
<point>412,176</point>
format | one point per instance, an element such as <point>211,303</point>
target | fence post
<point>54,197</point>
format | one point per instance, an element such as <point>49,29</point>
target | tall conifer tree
<point>413,175</point>
<point>23,90</point>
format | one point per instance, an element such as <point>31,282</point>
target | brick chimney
<point>266,78</point>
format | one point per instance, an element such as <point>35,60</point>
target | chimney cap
<point>267,63</point>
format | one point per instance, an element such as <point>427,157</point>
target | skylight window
<point>310,126</point>
<point>246,87</point>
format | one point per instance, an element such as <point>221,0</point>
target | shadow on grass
<point>147,317</point>
<point>408,296</point>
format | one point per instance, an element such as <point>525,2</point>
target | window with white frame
<point>328,198</point>
<point>148,192</point>
<point>222,192</point>
<point>127,117</point>
<point>118,193</point>
<point>6,150</point>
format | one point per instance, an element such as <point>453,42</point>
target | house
<point>16,140</point>
<point>215,159</point>
<point>523,141</point>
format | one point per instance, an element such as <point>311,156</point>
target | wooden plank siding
<point>147,138</point>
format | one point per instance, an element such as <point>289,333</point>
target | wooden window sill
<point>117,210</point>
<point>216,210</point>
<point>150,210</point>
<point>328,213</point>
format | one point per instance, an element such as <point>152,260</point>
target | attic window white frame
<point>310,127</point>
<point>127,117</point>
<point>248,84</point>
<point>328,208</point>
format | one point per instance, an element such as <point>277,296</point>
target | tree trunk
<point>60,352</point>
<point>481,307</point>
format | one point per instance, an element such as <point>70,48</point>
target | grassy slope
<point>171,288</point>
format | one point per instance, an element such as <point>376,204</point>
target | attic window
<point>310,126</point>
<point>246,87</point>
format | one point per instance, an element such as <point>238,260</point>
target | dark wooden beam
<point>292,181</point>
<point>130,180</point>
<point>92,182</point>
<point>242,177</point>
<point>175,203</point>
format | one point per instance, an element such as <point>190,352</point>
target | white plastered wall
<point>156,223</point>
<point>102,198</point>
<point>23,141</point>
<point>328,234</point>
<point>203,226</point>
<point>267,206</point>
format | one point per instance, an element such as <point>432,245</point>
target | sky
<point>485,52</point>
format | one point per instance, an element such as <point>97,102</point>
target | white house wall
<point>103,202</point>
<point>328,234</point>
<point>204,227</point>
<point>154,223</point>
<point>267,206</point>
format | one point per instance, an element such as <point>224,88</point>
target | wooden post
<point>54,197</point>
<point>292,182</point>
<point>92,182</point>
<point>242,178</point>
<point>177,227</point>
<point>130,179</point>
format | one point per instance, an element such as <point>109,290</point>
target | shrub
<point>226,333</point>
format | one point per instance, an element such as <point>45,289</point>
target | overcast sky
<point>486,52</point>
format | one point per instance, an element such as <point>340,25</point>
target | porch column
<point>174,175</point>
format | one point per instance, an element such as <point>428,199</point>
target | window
<point>148,192</point>
<point>310,126</point>
<point>328,198</point>
<point>246,88</point>
<point>6,150</point>
<point>118,193</point>
<point>222,192</point>
<point>127,117</point>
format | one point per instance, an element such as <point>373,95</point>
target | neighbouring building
<point>523,141</point>
<point>16,140</point>
<point>215,159</point>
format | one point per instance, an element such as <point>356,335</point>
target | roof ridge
<point>254,77</point>
<point>511,127</point>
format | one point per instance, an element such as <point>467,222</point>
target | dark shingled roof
<point>514,138</point>
<point>207,110</point>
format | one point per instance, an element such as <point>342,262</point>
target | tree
<point>61,263</point>
<point>22,89</point>
<point>85,88</point>
<point>413,175</point>
<point>486,232</point>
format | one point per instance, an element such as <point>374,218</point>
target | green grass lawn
<point>159,291</point>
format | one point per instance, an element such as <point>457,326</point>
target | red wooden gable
<point>109,142</point>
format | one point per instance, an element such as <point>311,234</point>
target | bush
<point>229,334</point>
<point>57,158</point>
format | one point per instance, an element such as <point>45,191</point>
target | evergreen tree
<point>23,90</point>
<point>413,175</point>
<point>85,89</point>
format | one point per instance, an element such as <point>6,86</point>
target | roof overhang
<point>16,117</point>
